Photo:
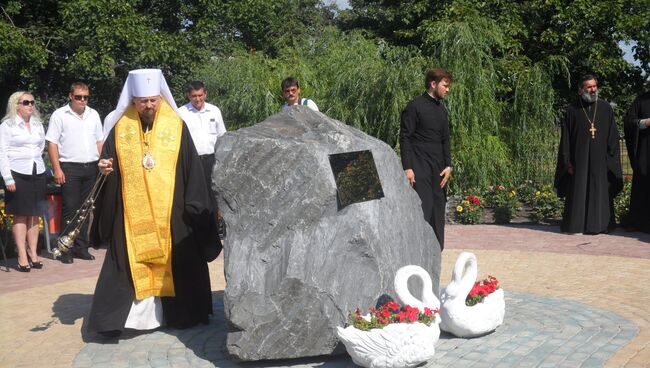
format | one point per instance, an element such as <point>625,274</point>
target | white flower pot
<point>462,320</point>
<point>394,346</point>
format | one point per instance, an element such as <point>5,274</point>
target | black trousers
<point>639,215</point>
<point>79,180</point>
<point>207,161</point>
<point>433,200</point>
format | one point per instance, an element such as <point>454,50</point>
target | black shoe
<point>37,265</point>
<point>83,254</point>
<point>24,268</point>
<point>66,257</point>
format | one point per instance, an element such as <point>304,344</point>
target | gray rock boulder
<point>296,263</point>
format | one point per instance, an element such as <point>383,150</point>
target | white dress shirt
<point>205,126</point>
<point>303,101</point>
<point>20,148</point>
<point>76,136</point>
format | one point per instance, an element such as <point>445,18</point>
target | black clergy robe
<point>424,146</point>
<point>638,149</point>
<point>597,178</point>
<point>194,242</point>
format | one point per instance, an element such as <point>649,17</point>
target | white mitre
<point>139,83</point>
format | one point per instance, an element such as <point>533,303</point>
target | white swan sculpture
<point>460,319</point>
<point>398,344</point>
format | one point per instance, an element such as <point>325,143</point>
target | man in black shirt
<point>424,143</point>
<point>637,138</point>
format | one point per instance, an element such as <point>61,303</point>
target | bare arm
<point>53,152</point>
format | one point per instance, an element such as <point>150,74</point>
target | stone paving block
<point>159,363</point>
<point>557,275</point>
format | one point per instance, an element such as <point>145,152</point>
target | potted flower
<point>469,210</point>
<point>471,308</point>
<point>391,336</point>
<point>481,289</point>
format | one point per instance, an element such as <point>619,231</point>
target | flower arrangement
<point>389,313</point>
<point>545,205</point>
<point>504,203</point>
<point>481,289</point>
<point>469,210</point>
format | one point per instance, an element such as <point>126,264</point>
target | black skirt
<point>29,197</point>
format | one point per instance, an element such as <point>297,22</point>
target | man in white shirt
<point>291,92</point>
<point>205,124</point>
<point>75,139</point>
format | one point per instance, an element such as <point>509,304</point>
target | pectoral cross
<point>593,131</point>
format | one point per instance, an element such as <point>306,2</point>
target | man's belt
<point>80,164</point>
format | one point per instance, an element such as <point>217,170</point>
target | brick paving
<point>572,300</point>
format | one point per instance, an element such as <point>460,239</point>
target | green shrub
<point>546,205</point>
<point>503,202</point>
<point>622,201</point>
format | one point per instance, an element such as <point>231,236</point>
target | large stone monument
<point>319,218</point>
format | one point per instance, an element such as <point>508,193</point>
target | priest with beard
<point>154,212</point>
<point>637,140</point>
<point>588,173</point>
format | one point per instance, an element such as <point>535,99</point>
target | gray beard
<point>588,98</point>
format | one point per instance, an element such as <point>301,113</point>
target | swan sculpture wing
<point>460,319</point>
<point>394,346</point>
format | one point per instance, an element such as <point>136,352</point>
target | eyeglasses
<point>26,102</point>
<point>81,97</point>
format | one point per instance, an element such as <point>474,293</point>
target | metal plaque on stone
<point>356,177</point>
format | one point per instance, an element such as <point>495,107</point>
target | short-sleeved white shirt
<point>205,126</point>
<point>303,101</point>
<point>76,136</point>
<point>21,148</point>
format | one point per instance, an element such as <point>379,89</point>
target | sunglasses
<point>81,97</point>
<point>26,102</point>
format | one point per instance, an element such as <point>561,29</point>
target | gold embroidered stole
<point>147,196</point>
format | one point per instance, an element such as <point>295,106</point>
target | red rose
<point>392,305</point>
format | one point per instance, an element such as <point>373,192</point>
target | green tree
<point>361,82</point>
<point>45,45</point>
<point>586,33</point>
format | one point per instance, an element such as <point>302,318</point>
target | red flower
<point>474,200</point>
<point>392,305</point>
<point>413,316</point>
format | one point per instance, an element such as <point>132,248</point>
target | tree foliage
<point>586,33</point>
<point>359,81</point>
<point>513,61</point>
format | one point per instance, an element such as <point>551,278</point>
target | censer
<point>65,243</point>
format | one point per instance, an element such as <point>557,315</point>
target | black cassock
<point>597,178</point>
<point>194,243</point>
<point>425,148</point>
<point>638,150</point>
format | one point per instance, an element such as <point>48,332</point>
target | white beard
<point>587,97</point>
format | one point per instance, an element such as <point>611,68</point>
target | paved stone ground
<point>538,331</point>
<point>571,301</point>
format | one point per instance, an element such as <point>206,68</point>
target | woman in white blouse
<point>22,139</point>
